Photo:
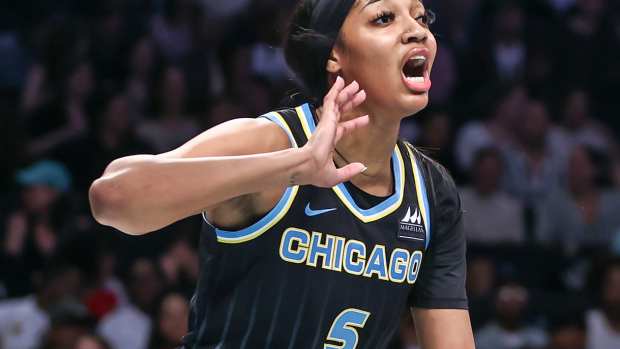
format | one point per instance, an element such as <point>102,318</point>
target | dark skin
<point>360,117</point>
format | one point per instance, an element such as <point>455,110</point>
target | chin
<point>414,103</point>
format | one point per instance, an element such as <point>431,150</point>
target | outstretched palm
<point>330,130</point>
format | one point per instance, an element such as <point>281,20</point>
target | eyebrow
<point>370,2</point>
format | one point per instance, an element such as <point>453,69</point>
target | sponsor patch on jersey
<point>411,226</point>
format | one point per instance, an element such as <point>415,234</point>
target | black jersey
<point>328,268</point>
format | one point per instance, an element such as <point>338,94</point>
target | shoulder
<point>446,200</point>
<point>442,183</point>
<point>242,136</point>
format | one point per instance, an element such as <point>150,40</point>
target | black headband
<point>329,15</point>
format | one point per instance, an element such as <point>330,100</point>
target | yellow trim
<point>418,187</point>
<point>288,130</point>
<point>340,194</point>
<point>304,122</point>
<point>387,211</point>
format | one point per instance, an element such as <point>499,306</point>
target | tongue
<point>418,84</point>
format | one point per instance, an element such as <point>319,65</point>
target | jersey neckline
<point>384,208</point>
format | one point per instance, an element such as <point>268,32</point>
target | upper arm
<point>443,328</point>
<point>439,299</point>
<point>441,281</point>
<point>235,138</point>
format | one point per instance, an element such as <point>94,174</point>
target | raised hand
<point>340,99</point>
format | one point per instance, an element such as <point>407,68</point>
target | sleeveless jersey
<point>325,268</point>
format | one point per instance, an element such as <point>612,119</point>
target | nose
<point>414,33</point>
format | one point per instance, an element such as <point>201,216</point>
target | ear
<point>333,66</point>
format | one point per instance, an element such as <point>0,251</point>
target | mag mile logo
<point>411,226</point>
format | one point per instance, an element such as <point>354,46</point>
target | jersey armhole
<point>274,215</point>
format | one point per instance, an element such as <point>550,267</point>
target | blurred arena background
<point>524,112</point>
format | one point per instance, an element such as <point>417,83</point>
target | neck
<point>372,145</point>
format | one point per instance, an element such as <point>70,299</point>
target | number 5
<point>343,329</point>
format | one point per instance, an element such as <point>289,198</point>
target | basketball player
<point>322,226</point>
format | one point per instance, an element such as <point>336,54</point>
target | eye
<point>384,18</point>
<point>427,18</point>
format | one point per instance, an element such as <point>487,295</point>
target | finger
<point>334,90</point>
<point>348,172</point>
<point>358,99</point>
<point>347,92</point>
<point>347,127</point>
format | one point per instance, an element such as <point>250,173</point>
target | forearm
<point>443,328</point>
<point>145,193</point>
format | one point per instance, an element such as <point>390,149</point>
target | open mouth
<point>415,71</point>
<point>414,68</point>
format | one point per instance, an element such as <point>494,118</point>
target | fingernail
<point>338,78</point>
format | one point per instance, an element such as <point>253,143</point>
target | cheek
<point>374,66</point>
<point>432,43</point>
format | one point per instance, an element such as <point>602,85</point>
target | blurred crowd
<point>523,113</point>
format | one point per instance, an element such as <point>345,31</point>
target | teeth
<point>416,79</point>
<point>419,60</point>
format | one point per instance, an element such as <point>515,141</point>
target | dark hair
<point>306,52</point>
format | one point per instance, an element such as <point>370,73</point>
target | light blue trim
<point>308,116</point>
<point>387,202</point>
<point>274,118</point>
<point>396,170</point>
<point>283,204</point>
<point>428,209</point>
<point>240,234</point>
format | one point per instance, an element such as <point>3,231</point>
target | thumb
<point>346,173</point>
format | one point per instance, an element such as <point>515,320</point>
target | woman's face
<point>387,46</point>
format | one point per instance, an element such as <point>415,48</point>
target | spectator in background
<point>55,45</point>
<point>170,322</point>
<point>110,35</point>
<point>584,214</point>
<point>445,75</point>
<point>580,127</point>
<point>267,57</point>
<point>25,321</point>
<point>89,341</point>
<point>68,324</point>
<point>584,26</point>
<point>500,50</point>
<point>171,31</point>
<point>508,330</point>
<point>114,136</point>
<point>491,216</point>
<point>534,164</point>
<point>172,127</point>
<point>256,96</point>
<point>603,324</point>
<point>225,109</point>
<point>497,130</point>
<point>436,137</point>
<point>66,117</point>
<point>509,49</point>
<point>142,63</point>
<point>567,332</point>
<point>129,326</point>
<point>481,276</point>
<point>180,265</point>
<point>33,228</point>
